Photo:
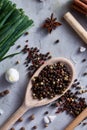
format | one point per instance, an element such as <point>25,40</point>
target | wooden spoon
<point>78,120</point>
<point>29,102</point>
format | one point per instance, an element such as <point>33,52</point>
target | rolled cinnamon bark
<point>81,4</point>
<point>84,1</point>
<point>79,9</point>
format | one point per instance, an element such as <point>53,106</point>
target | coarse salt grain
<point>51,118</point>
<point>82,49</point>
<point>46,120</point>
<point>1,112</point>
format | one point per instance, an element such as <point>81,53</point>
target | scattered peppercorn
<point>4,93</point>
<point>12,128</point>
<point>18,46</point>
<point>46,125</point>
<point>71,102</point>
<point>18,62</point>
<point>85,74</point>
<point>26,41</point>
<point>34,127</point>
<point>34,59</point>
<point>20,119</point>
<point>46,112</point>
<point>57,41</point>
<point>26,33</point>
<point>85,123</point>
<point>32,117</point>
<point>22,128</point>
<point>83,60</point>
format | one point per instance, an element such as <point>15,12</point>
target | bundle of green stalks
<point>13,24</point>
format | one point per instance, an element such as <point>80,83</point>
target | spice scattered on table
<point>85,123</point>
<point>53,80</point>
<point>85,74</point>
<point>26,33</point>
<point>34,127</point>
<point>4,93</point>
<point>51,23</point>
<point>46,125</point>
<point>71,102</point>
<point>20,119</point>
<point>56,42</point>
<point>34,59</point>
<point>18,62</point>
<point>84,60</point>
<point>22,128</point>
<point>19,46</point>
<point>32,117</point>
<point>12,128</point>
<point>45,113</point>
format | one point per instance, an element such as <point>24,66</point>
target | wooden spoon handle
<point>76,26</point>
<point>14,118</point>
<point>79,118</point>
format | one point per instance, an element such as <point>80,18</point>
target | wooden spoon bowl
<point>29,102</point>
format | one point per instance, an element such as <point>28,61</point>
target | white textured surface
<point>68,47</point>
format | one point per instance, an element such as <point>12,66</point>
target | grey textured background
<point>68,47</point>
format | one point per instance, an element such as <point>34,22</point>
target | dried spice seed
<point>85,123</point>
<point>75,80</point>
<point>32,117</point>
<point>46,125</point>
<point>34,59</point>
<point>26,33</point>
<point>19,46</point>
<point>71,102</point>
<point>26,41</point>
<point>83,60</point>
<point>20,119</point>
<point>12,128</point>
<point>22,128</point>
<point>4,93</point>
<point>57,41</point>
<point>34,127</point>
<point>18,62</point>
<point>53,79</point>
<point>46,112</point>
<point>85,74</point>
<point>51,23</point>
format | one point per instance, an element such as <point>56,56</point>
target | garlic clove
<point>82,49</point>
<point>46,120</point>
<point>12,75</point>
<point>52,118</point>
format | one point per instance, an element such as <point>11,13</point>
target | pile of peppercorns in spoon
<point>53,80</point>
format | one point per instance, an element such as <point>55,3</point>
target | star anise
<point>51,23</point>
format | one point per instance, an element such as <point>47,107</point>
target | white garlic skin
<point>82,49</point>
<point>12,75</point>
<point>46,120</point>
<point>52,118</point>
